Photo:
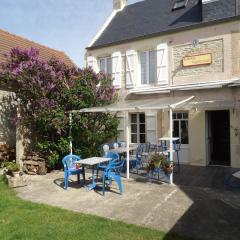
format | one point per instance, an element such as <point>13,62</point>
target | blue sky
<point>66,25</point>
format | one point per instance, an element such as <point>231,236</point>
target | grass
<point>21,219</point>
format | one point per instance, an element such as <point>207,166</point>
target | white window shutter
<point>121,128</point>
<point>130,68</point>
<point>162,63</point>
<point>151,127</point>
<point>92,62</point>
<point>144,67</point>
<point>117,69</point>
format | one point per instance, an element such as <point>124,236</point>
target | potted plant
<point>167,166</point>
<point>13,169</point>
<point>155,161</point>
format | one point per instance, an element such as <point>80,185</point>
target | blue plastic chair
<point>104,148</point>
<point>177,149</point>
<point>136,161</point>
<point>115,145</point>
<point>146,153</point>
<point>69,163</point>
<point>114,157</point>
<point>123,144</point>
<point>112,173</point>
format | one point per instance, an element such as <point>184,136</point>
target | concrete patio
<point>199,208</point>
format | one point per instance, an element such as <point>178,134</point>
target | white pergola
<point>127,106</point>
<point>168,103</point>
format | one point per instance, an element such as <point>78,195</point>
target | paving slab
<point>202,213</point>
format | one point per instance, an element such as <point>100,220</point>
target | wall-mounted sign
<point>196,60</point>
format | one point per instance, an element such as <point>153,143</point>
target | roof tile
<point>9,41</point>
<point>151,17</point>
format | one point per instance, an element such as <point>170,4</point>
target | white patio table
<point>167,139</point>
<point>174,139</point>
<point>91,162</point>
<point>122,150</point>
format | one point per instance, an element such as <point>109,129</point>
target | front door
<point>218,137</point>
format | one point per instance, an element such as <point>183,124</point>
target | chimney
<point>119,4</point>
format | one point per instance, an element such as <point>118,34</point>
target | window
<point>178,4</point>
<point>154,65</point>
<point>138,128</point>
<point>112,65</point>
<point>180,126</point>
<point>105,65</point>
<point>148,61</point>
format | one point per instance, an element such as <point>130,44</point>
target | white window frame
<point>91,62</point>
<point>179,122</point>
<point>138,127</point>
<point>105,64</point>
<point>148,68</point>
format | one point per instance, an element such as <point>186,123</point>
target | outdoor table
<point>122,150</point>
<point>167,139</point>
<point>91,162</point>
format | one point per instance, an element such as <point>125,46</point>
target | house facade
<point>168,48</point>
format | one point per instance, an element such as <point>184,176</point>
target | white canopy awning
<point>170,103</point>
<point>141,104</point>
<point>211,105</point>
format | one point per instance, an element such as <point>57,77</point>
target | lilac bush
<point>47,90</point>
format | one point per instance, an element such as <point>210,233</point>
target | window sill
<point>151,89</point>
<point>117,87</point>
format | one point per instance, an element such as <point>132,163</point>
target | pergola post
<point>171,141</point>
<point>70,132</point>
<point>127,140</point>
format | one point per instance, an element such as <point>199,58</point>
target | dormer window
<point>178,4</point>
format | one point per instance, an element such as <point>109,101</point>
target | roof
<point>9,41</point>
<point>152,17</point>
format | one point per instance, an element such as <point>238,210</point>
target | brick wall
<point>215,47</point>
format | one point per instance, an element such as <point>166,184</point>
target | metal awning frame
<point>146,105</point>
<point>135,106</point>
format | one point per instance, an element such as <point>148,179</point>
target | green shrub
<point>46,91</point>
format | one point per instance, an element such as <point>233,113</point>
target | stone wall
<point>7,128</point>
<point>215,47</point>
<point>235,44</point>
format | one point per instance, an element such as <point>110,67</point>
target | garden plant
<point>45,91</point>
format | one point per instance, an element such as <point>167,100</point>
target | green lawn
<point>20,219</point>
